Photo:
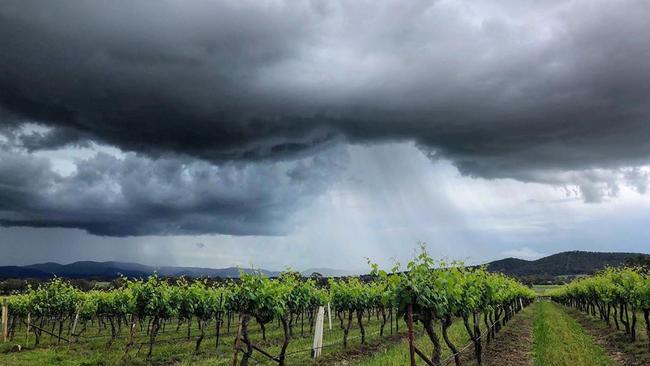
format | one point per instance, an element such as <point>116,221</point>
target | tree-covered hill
<point>565,263</point>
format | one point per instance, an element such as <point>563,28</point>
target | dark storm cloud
<point>134,195</point>
<point>504,89</point>
<point>501,88</point>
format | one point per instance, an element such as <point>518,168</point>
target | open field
<point>542,290</point>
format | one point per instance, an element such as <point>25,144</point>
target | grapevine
<point>613,295</point>
<point>433,293</point>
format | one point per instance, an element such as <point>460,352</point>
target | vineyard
<point>259,320</point>
<point>426,313</point>
<point>615,296</point>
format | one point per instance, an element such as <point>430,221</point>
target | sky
<point>322,133</point>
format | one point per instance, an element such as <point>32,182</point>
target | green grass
<point>617,338</point>
<point>172,351</point>
<point>541,290</point>
<point>398,354</point>
<point>560,341</point>
<point>380,350</point>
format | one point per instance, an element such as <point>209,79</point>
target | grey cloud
<point>53,139</point>
<point>135,195</point>
<point>496,87</point>
<point>638,179</point>
<point>549,92</point>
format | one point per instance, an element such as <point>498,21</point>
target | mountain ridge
<point>114,269</point>
<point>559,264</point>
<point>564,263</point>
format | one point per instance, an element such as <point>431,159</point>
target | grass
<point>560,341</point>
<point>617,339</point>
<point>170,350</point>
<point>541,290</point>
<point>398,354</point>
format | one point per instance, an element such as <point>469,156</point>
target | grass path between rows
<point>615,341</point>
<point>560,341</point>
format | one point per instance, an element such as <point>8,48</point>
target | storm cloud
<point>134,195</point>
<point>556,92</point>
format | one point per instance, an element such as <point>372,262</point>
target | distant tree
<point>12,285</point>
<point>319,279</point>
<point>118,282</point>
<point>641,261</point>
<point>82,284</point>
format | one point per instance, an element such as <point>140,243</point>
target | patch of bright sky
<point>64,160</point>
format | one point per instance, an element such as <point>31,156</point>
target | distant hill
<point>20,272</point>
<point>565,263</point>
<point>110,270</point>
<point>330,272</point>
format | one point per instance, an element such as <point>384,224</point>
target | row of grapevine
<point>427,292</point>
<point>613,294</point>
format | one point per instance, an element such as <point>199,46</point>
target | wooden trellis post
<point>5,319</point>
<point>318,332</point>
<point>237,342</point>
<point>413,349</point>
<point>74,324</point>
<point>409,319</point>
<point>329,315</point>
<point>29,319</point>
